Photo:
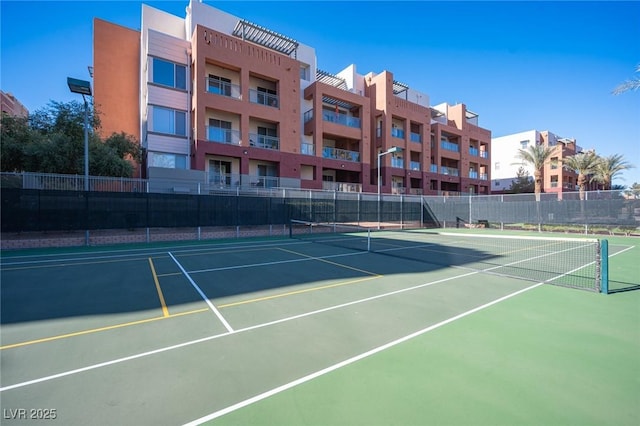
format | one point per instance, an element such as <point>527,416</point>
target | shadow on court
<point>120,282</point>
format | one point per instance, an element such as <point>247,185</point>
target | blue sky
<point>519,65</point>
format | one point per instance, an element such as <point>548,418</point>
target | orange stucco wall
<point>116,67</point>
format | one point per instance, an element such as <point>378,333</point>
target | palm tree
<point>609,167</point>
<point>633,84</point>
<point>536,155</point>
<point>584,164</point>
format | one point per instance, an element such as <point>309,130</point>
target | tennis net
<point>570,262</point>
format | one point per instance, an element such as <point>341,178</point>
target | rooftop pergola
<point>264,37</point>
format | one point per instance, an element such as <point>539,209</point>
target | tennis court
<point>421,329</point>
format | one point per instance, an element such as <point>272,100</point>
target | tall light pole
<point>389,151</point>
<point>84,88</point>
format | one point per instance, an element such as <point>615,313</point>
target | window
<point>220,130</point>
<point>220,172</point>
<point>267,175</point>
<point>267,97</point>
<point>524,144</point>
<point>304,72</point>
<point>554,163</point>
<point>496,166</point>
<point>171,161</point>
<point>219,85</point>
<point>169,121</point>
<point>169,74</point>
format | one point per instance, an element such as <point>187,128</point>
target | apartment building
<point>12,106</point>
<point>555,177</point>
<point>250,107</point>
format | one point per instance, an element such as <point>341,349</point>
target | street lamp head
<point>393,149</point>
<point>79,86</point>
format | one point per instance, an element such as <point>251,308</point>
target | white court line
<point>346,362</point>
<point>361,356</point>
<point>254,327</point>
<point>204,297</point>
<point>216,336</point>
<point>147,251</point>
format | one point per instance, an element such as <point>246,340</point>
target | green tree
<point>523,182</point>
<point>609,167</point>
<point>633,191</point>
<point>632,84</point>
<point>536,155</point>
<point>52,141</point>
<point>585,165</point>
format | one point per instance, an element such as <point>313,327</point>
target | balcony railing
<point>340,154</point>
<point>473,174</point>
<point>341,119</point>
<point>398,190</point>
<point>223,88</point>
<point>433,168</point>
<point>414,165</point>
<point>307,149</point>
<point>415,137</point>
<point>449,146</point>
<point>397,133</point>
<point>263,141</point>
<point>397,162</point>
<point>264,98</point>
<point>342,186</point>
<point>473,151</point>
<point>223,180</point>
<point>226,181</point>
<point>484,176</point>
<point>449,171</point>
<point>307,116</point>
<point>220,135</point>
<point>484,154</point>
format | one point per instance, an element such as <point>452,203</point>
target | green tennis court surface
<point>285,331</point>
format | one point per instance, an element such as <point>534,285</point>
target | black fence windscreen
<point>31,210</point>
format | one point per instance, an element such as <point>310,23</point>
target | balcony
<point>449,171</point>
<point>307,149</point>
<point>341,119</point>
<point>414,165</point>
<point>342,186</point>
<point>473,174</point>
<point>484,154</point>
<point>473,151</point>
<point>397,133</point>
<point>484,176</point>
<point>263,141</point>
<point>398,190</point>
<point>340,154</point>
<point>263,98</point>
<point>220,135</point>
<point>232,181</point>
<point>223,180</point>
<point>307,116</point>
<point>433,168</point>
<point>223,88</point>
<point>415,137</point>
<point>397,162</point>
<point>449,146</point>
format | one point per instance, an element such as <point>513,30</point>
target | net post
<point>368,239</point>
<point>604,269</point>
